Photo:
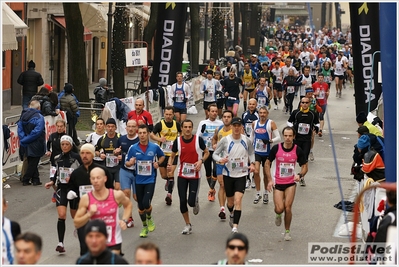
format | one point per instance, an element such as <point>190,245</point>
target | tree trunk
<point>255,26</point>
<point>195,37</point>
<point>149,30</point>
<point>118,61</point>
<point>237,19</point>
<point>217,27</point>
<point>245,28</point>
<point>76,51</point>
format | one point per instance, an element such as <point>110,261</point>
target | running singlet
<point>339,68</point>
<point>262,97</point>
<point>262,132</point>
<point>190,153</point>
<point>207,134</point>
<point>211,86</point>
<point>170,135</point>
<point>107,210</point>
<point>180,96</point>
<point>248,118</point>
<point>285,165</point>
<point>248,80</point>
<point>222,133</point>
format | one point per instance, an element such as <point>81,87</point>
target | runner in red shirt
<point>140,115</point>
<point>321,91</point>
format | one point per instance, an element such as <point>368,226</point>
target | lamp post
<point>109,44</point>
<point>206,33</point>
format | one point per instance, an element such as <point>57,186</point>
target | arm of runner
<point>84,212</point>
<point>215,139</point>
<point>121,198</point>
<point>268,165</point>
<point>218,151</point>
<point>276,133</point>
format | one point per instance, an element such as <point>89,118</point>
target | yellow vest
<point>170,135</point>
<point>222,133</point>
<point>247,77</point>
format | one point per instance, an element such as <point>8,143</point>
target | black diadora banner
<point>365,41</point>
<point>169,43</point>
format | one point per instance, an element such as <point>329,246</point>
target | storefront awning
<point>87,34</point>
<point>291,12</point>
<point>20,26</point>
<point>94,17</point>
<point>12,27</point>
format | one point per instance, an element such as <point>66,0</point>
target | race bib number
<point>303,128</point>
<point>339,69</point>
<point>260,146</point>
<point>111,160</point>
<point>248,128</point>
<point>238,165</point>
<point>179,97</point>
<point>326,79</point>
<point>248,85</point>
<point>109,232</point>
<point>290,89</point>
<point>189,170</point>
<point>287,170</point>
<point>208,142</point>
<point>321,95</point>
<point>52,171</point>
<point>97,159</point>
<point>144,167</point>
<point>64,174</point>
<point>84,189</point>
<point>262,101</point>
<point>167,146</point>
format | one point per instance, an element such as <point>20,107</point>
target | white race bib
<point>303,128</point>
<point>321,95</point>
<point>208,142</point>
<point>188,170</point>
<point>179,97</point>
<point>144,167</point>
<point>290,89</point>
<point>238,165</point>
<point>52,171</point>
<point>111,160</point>
<point>167,146</point>
<point>64,174</point>
<point>261,100</point>
<point>260,146</point>
<point>84,189</point>
<point>248,128</point>
<point>287,170</point>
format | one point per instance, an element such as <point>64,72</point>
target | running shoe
<point>248,183</point>
<point>257,198</point>
<point>166,185</point>
<point>150,225</point>
<point>265,198</point>
<point>234,230</point>
<point>231,222</point>
<point>60,248</point>
<point>311,157</point>
<point>279,100</point>
<point>187,229</point>
<point>320,133</point>
<point>211,195</point>
<point>144,232</point>
<point>196,208</point>
<point>302,182</point>
<point>253,182</point>
<point>336,94</point>
<point>168,199</point>
<point>340,94</point>
<point>287,236</point>
<point>53,199</point>
<point>130,223</point>
<point>276,107</point>
<point>344,86</point>
<point>277,221</point>
<point>222,214</point>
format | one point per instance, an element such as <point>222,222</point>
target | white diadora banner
<point>11,155</point>
<point>136,57</point>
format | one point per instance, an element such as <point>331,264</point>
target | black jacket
<point>30,80</point>
<point>46,107</point>
<point>107,257</point>
<point>66,160</point>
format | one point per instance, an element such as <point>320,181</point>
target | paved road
<point>314,217</point>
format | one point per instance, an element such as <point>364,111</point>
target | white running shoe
<point>187,229</point>
<point>277,221</point>
<point>311,157</point>
<point>287,236</point>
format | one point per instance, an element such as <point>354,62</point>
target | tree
<point>118,49</point>
<point>237,19</point>
<point>76,51</point>
<point>217,40</point>
<point>150,29</point>
<point>195,37</point>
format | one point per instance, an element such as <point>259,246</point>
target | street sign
<point>136,57</point>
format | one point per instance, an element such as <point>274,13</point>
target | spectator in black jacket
<point>30,80</point>
<point>47,104</point>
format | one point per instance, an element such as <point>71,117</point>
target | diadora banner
<point>365,44</point>
<point>169,43</point>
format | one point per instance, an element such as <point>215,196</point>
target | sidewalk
<point>16,110</point>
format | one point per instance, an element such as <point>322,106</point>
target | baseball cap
<point>253,55</point>
<point>236,120</point>
<point>96,226</point>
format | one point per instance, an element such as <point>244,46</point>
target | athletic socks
<point>61,229</point>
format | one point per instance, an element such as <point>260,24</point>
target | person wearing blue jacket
<point>31,133</point>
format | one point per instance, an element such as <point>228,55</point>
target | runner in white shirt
<point>339,69</point>
<point>237,151</point>
<point>206,130</point>
<point>209,86</point>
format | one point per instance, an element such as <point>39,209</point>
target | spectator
<point>28,248</point>
<point>31,133</point>
<point>69,104</point>
<point>30,80</point>
<point>237,246</point>
<point>361,119</point>
<point>47,104</point>
<point>147,253</point>
<point>96,240</point>
<point>101,92</point>
<point>11,230</point>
